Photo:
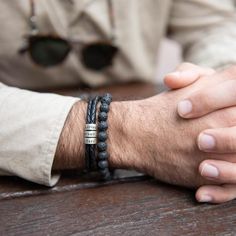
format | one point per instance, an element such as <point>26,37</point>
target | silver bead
<point>90,127</point>
<point>90,140</point>
<point>90,134</point>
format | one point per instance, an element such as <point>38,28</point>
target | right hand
<point>222,140</point>
<point>151,137</point>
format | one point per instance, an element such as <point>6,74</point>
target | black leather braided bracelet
<point>92,148</point>
<point>89,135</point>
<point>103,155</point>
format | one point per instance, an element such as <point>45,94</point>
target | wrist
<point>130,142</point>
<point>118,133</point>
<point>70,153</point>
<point>131,138</point>
<point>70,149</point>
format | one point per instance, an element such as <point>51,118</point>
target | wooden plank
<point>13,187</point>
<point>120,92</point>
<point>143,208</point>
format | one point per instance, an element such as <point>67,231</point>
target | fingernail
<point>209,171</point>
<point>175,74</point>
<point>205,198</point>
<point>206,142</point>
<point>184,107</point>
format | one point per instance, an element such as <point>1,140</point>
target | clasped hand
<point>218,94</point>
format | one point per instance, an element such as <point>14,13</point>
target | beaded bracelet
<point>102,137</point>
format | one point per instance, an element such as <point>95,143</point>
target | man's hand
<point>163,145</point>
<point>148,136</point>
<point>220,94</point>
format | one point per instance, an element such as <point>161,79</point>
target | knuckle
<point>230,174</point>
<point>224,198</point>
<point>228,117</point>
<point>204,100</point>
<point>229,192</point>
<point>228,143</point>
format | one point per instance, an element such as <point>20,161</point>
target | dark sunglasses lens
<point>98,56</point>
<point>48,51</point>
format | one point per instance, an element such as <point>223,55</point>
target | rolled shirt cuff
<point>31,124</point>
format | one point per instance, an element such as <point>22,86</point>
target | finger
<point>208,100</point>
<point>216,194</point>
<point>185,75</point>
<point>218,171</point>
<point>221,140</point>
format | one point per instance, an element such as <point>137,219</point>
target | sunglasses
<point>51,50</point>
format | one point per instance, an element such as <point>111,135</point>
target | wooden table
<point>131,204</point>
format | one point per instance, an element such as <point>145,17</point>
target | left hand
<point>221,140</point>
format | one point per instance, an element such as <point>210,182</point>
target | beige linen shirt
<point>31,122</point>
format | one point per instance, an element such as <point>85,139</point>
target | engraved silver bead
<point>90,140</point>
<point>90,134</point>
<point>90,127</point>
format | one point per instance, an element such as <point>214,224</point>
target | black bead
<point>102,164</point>
<point>104,171</point>
<point>102,116</point>
<point>106,99</point>
<point>102,126</point>
<point>108,95</point>
<point>104,108</point>
<point>102,146</point>
<point>107,176</point>
<point>102,136</point>
<point>103,155</point>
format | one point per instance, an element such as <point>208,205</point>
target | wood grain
<point>143,208</point>
<point>14,187</point>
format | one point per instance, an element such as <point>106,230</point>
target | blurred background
<point>168,58</point>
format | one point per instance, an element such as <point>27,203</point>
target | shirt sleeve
<point>31,124</point>
<point>206,30</point>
